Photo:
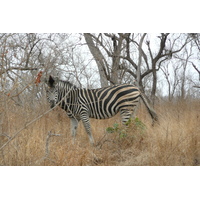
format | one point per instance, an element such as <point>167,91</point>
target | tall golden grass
<point>47,141</point>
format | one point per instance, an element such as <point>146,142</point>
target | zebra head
<point>52,90</point>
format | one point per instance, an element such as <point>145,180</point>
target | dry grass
<point>175,141</point>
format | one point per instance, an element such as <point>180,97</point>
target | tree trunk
<point>98,58</point>
<point>138,72</point>
<point>117,46</point>
<point>153,91</point>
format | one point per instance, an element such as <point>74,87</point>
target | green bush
<point>131,126</point>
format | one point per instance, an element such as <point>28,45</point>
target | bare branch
<point>196,69</point>
<point>17,68</point>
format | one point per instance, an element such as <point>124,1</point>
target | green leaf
<point>116,126</point>
<point>110,129</point>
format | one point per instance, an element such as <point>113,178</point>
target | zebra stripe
<point>102,103</point>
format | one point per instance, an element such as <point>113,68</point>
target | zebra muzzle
<point>52,104</point>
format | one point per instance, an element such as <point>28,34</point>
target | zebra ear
<point>51,81</point>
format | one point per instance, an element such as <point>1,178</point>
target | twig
<point>47,143</point>
<point>196,86</point>
<point>31,122</point>
<point>42,159</point>
<point>47,149</point>
<point>28,124</point>
<point>5,135</point>
<point>98,143</point>
<point>101,141</point>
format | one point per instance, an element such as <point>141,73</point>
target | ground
<point>174,141</point>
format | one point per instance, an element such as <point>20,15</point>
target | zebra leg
<point>86,123</point>
<point>125,115</point>
<point>74,126</point>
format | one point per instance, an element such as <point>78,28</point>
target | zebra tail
<point>151,111</point>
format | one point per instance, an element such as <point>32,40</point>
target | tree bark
<point>138,71</point>
<point>117,45</point>
<point>153,91</point>
<point>160,54</point>
<point>99,58</point>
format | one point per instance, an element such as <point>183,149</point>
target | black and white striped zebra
<point>102,103</point>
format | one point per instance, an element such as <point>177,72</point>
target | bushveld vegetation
<point>47,141</point>
<point>165,67</point>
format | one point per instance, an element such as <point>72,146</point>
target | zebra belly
<point>99,115</point>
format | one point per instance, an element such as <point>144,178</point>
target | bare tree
<point>120,57</point>
<point>99,58</point>
<point>22,56</point>
<point>172,78</point>
<point>125,52</point>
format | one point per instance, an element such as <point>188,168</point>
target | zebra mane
<point>67,83</point>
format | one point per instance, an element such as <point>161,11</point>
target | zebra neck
<point>65,93</point>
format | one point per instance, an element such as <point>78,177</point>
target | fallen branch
<point>47,143</point>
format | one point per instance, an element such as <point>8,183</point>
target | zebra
<point>82,104</point>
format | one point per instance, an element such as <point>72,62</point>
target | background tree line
<point>162,64</point>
